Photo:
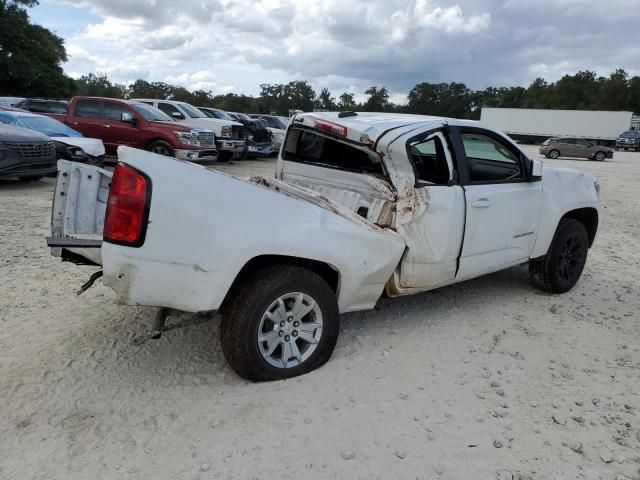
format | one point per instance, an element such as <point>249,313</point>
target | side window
<point>88,109</point>
<point>489,160</point>
<point>582,143</point>
<point>169,109</point>
<point>304,146</point>
<point>430,162</point>
<point>39,107</point>
<point>114,111</point>
<point>567,141</point>
<point>57,107</point>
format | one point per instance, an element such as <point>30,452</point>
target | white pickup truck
<point>361,204</point>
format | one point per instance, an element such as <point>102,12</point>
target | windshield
<point>150,113</point>
<point>192,111</point>
<point>243,116</point>
<point>284,121</point>
<point>221,114</point>
<point>45,125</point>
<point>630,134</point>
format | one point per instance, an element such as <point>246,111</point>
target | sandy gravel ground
<point>483,380</point>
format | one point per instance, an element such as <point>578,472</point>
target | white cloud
<point>236,45</point>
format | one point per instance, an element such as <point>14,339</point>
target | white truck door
<point>503,207</point>
<point>346,173</point>
<point>433,232</point>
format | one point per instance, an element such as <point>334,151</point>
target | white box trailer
<point>534,125</point>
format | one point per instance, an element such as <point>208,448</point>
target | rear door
<point>86,117</point>
<point>344,172</point>
<point>503,207</point>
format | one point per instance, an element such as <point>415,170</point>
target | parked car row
<point>235,135</point>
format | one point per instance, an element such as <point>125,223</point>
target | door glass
<point>39,107</point>
<point>489,160</point>
<point>88,109</point>
<point>57,107</point>
<point>169,109</point>
<point>430,162</point>
<point>114,111</point>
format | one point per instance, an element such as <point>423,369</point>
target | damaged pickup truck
<point>362,204</point>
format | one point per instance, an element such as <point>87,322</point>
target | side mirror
<point>536,170</point>
<point>128,117</point>
<point>177,116</point>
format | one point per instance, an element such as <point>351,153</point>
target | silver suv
<point>574,147</point>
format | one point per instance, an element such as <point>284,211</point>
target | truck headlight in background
<point>187,138</point>
<point>226,131</point>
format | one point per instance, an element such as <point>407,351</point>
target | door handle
<point>106,126</point>
<point>481,203</point>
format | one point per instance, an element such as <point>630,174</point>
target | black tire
<point>553,154</point>
<point>600,156</point>
<point>161,148</point>
<point>242,317</point>
<point>559,270</point>
<point>30,179</point>
<point>224,156</point>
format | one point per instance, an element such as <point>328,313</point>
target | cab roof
<point>367,125</point>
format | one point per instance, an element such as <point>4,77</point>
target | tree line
<point>31,57</point>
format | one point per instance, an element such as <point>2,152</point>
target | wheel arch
<point>588,217</point>
<point>328,272</point>
<point>157,139</point>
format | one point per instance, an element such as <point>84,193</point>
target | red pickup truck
<point>122,122</point>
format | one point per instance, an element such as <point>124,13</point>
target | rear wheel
<point>600,156</point>
<point>559,270</point>
<point>553,154</point>
<point>282,322</point>
<point>161,148</point>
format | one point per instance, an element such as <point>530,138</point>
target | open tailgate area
<point>77,216</point>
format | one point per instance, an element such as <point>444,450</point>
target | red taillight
<point>332,128</point>
<point>128,207</point>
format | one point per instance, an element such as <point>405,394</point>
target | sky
<point>344,45</point>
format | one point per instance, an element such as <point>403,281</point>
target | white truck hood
<point>91,146</point>
<point>214,124</point>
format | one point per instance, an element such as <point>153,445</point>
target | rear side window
<point>39,107</point>
<point>430,162</point>
<point>304,146</point>
<point>114,111</point>
<point>56,107</point>
<point>88,109</point>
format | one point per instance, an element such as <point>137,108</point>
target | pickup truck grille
<point>206,139</point>
<point>235,132</point>
<point>27,151</point>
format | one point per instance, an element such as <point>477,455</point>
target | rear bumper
<point>233,146</point>
<point>195,155</point>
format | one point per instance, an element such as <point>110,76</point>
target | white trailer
<point>532,125</point>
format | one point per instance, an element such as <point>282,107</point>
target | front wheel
<point>282,322</point>
<point>559,270</point>
<point>161,148</point>
<point>600,156</point>
<point>553,154</point>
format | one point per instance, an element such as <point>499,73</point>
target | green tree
<point>634,95</point>
<point>443,99</point>
<point>347,102</point>
<point>325,101</point>
<point>30,55</point>
<point>378,100</point>
<point>280,98</point>
<point>614,92</point>
<point>99,86</point>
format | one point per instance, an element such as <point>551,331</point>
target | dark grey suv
<point>25,154</point>
<point>576,148</point>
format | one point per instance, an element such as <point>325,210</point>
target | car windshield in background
<point>243,116</point>
<point>192,111</point>
<point>45,125</point>
<point>284,121</point>
<point>630,135</point>
<point>150,113</point>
